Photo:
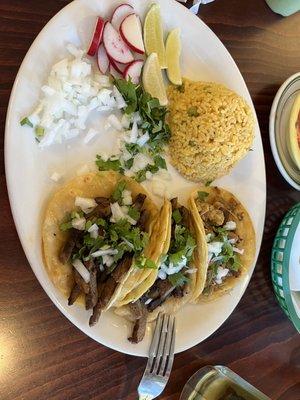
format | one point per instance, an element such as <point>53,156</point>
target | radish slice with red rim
<point>131,32</point>
<point>118,67</point>
<point>114,73</point>
<point>115,46</point>
<point>97,37</point>
<point>134,71</point>
<point>119,14</point>
<point>103,60</point>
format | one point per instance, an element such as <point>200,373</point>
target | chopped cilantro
<point>26,121</point>
<point>88,225</point>
<point>202,195</point>
<point>39,131</point>
<point>178,279</point>
<point>208,183</point>
<point>118,192</point>
<point>65,226</point>
<point>129,163</point>
<point>134,213</point>
<point>133,148</point>
<point>193,112</point>
<point>177,217</point>
<point>160,162</point>
<point>129,92</point>
<point>114,165</point>
<point>142,262</point>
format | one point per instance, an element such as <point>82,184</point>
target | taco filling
<point>106,236</point>
<point>174,273</point>
<point>224,244</point>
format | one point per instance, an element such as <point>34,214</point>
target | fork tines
<point>161,354</point>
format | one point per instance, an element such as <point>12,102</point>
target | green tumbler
<point>284,7</point>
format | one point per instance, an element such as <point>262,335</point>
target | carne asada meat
<point>142,221</point>
<point>103,208</point>
<point>159,293</point>
<point>139,201</point>
<point>174,203</point>
<point>140,312</point>
<point>107,292</point>
<point>92,296</point>
<point>75,293</point>
<point>94,318</point>
<point>185,214</point>
<point>68,247</point>
<point>179,291</point>
<point>122,268</point>
<point>84,287</point>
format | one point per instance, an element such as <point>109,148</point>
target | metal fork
<point>160,361</point>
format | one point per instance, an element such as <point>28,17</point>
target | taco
<point>179,278</point>
<point>230,239</point>
<point>97,232</point>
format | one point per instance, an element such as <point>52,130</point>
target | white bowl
<point>278,128</point>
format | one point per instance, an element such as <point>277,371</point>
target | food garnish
<point>173,51</point>
<point>153,79</point>
<point>143,141</point>
<point>294,132</point>
<point>131,32</point>
<point>154,36</point>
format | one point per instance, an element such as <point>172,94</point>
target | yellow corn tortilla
<point>92,185</point>
<point>197,279</point>
<point>244,229</point>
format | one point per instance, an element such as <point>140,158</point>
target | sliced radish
<point>118,67</point>
<point>113,72</point>
<point>97,37</point>
<point>119,14</point>
<point>103,60</point>
<point>115,46</point>
<point>134,71</point>
<point>131,32</point>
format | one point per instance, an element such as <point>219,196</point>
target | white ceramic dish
<point>28,167</point>
<point>279,126</point>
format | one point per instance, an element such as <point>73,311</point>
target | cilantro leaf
<point>114,165</point>
<point>118,192</point>
<point>177,217</point>
<point>193,112</point>
<point>26,121</point>
<point>178,279</point>
<point>128,91</point>
<point>65,226</point>
<point>202,195</point>
<point>134,213</point>
<point>144,263</point>
<point>160,162</point>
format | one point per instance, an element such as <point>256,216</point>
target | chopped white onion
<point>108,252</point>
<point>79,224</point>
<point>86,204</point>
<point>114,122</point>
<point>134,133</point>
<point>215,248</point>
<point>143,139</point>
<point>126,197</point>
<point>230,226</point>
<point>90,136</point>
<point>56,177</point>
<point>82,270</point>
<point>119,98</point>
<point>237,250</point>
<point>148,301</point>
<point>108,260</point>
<point>118,214</point>
<point>94,231</point>
<point>221,273</point>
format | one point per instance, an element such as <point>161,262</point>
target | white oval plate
<point>28,168</point>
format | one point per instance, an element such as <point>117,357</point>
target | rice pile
<point>212,129</point>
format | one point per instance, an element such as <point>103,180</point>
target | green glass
<point>284,7</point>
<point>219,383</point>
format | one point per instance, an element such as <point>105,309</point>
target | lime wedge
<point>173,51</point>
<point>154,35</point>
<point>153,79</point>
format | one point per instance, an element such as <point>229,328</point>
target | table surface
<point>42,355</point>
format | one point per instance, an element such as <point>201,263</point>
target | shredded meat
<point>68,247</point>
<point>210,215</point>
<point>139,311</point>
<point>179,292</point>
<point>92,296</point>
<point>139,201</point>
<point>185,216</point>
<point>75,293</point>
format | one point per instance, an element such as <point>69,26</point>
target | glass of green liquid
<point>284,7</point>
<point>219,383</point>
